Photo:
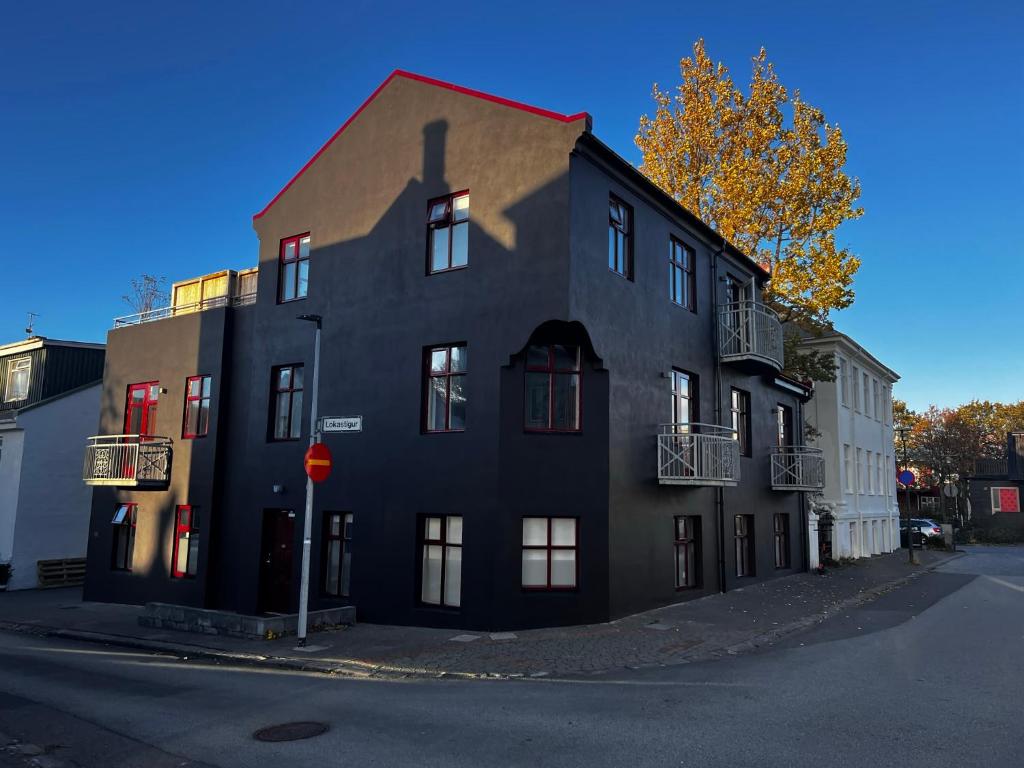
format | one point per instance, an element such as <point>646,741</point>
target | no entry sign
<point>317,462</point>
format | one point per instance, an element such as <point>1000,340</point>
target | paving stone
<point>464,638</point>
<point>503,636</point>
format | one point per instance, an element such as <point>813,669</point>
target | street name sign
<point>341,424</point>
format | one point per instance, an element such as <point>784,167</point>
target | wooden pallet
<point>61,573</point>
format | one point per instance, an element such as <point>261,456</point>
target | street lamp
<point>902,430</point>
<point>307,520</point>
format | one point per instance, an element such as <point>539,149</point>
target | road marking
<point>1005,583</point>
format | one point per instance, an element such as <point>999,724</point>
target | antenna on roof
<point>29,329</point>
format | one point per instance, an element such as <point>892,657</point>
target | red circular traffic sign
<point>317,462</point>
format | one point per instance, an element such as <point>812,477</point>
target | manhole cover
<point>290,731</point>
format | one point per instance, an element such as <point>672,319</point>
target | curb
<point>362,670</point>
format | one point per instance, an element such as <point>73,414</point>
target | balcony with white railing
<point>128,461</point>
<point>797,468</point>
<point>697,454</point>
<point>750,332</point>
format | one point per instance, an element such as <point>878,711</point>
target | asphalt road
<point>928,675</point>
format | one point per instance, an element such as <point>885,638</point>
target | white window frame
<point>848,466</point>
<point>9,396</point>
<point>844,381</point>
<point>860,470</point>
<point>855,376</point>
<point>995,496</point>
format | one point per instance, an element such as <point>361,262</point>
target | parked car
<point>924,529</point>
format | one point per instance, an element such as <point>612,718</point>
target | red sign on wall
<point>317,462</point>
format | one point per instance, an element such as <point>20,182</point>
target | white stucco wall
<point>53,508</point>
<point>10,479</point>
<point>861,494</point>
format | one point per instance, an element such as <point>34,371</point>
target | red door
<point>140,408</point>
<point>139,419</point>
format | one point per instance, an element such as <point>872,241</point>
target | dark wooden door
<point>276,559</point>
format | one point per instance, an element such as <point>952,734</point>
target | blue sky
<point>137,137</point>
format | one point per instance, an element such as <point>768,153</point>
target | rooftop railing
<point>163,313</point>
<point>697,454</point>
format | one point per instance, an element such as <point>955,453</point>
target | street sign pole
<point>307,518</point>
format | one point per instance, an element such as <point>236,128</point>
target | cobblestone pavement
<point>701,629</point>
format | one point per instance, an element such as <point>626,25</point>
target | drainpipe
<point>716,341</point>
<point>805,560</point>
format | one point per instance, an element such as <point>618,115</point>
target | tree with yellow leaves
<point>775,189</point>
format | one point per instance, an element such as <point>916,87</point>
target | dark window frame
<point>448,374</point>
<point>689,541</point>
<point>739,408</point>
<point>275,372</point>
<point>623,228</point>
<point>687,268</point>
<point>553,371</point>
<point>344,541</point>
<point>692,397</point>
<point>744,546</point>
<point>126,528</point>
<point>191,532</point>
<point>447,222</point>
<point>186,433</point>
<point>548,548</point>
<point>442,542</point>
<point>298,261</point>
<point>780,538</point>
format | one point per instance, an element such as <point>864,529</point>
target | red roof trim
<point>429,81</point>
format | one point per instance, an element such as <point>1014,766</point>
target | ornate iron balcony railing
<point>131,461</point>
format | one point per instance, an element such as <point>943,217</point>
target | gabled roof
<point>439,84</point>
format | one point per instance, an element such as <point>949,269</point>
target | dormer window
<point>19,374</point>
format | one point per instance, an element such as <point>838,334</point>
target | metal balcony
<point>797,468</point>
<point>128,461</point>
<point>750,333</point>
<point>697,454</point>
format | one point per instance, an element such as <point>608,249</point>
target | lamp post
<point>307,519</point>
<point>902,430</point>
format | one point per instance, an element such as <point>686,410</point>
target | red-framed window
<point>197,407</point>
<point>185,557</point>
<point>743,540</point>
<point>620,238</point>
<point>140,408</point>
<point>286,402</point>
<point>123,550</point>
<point>448,232</point>
<point>687,545</point>
<point>337,554</point>
<point>780,526</point>
<point>553,384</point>
<point>293,274</point>
<point>445,397</point>
<point>739,408</point>
<point>682,278</point>
<point>441,561</point>
<point>550,553</point>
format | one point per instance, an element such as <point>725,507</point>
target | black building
<point>535,372</point>
<point>994,490</point>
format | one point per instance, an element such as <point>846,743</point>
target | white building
<point>853,416</point>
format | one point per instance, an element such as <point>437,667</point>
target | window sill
<point>529,431</point>
<point>446,270</point>
<point>442,431</point>
<point>628,278</point>
<point>693,310</point>
<point>550,590</point>
<point>290,301</point>
<point>193,437</point>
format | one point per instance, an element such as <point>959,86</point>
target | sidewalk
<point>711,627</point>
